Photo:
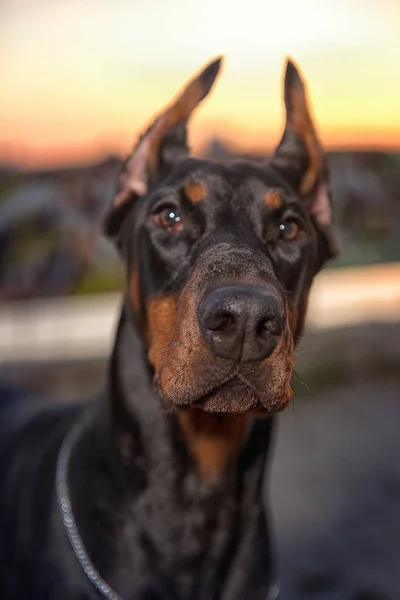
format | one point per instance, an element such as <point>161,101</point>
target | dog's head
<point>220,258</point>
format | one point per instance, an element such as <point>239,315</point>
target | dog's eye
<point>289,230</point>
<point>168,218</point>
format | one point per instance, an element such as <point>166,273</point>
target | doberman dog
<point>155,491</point>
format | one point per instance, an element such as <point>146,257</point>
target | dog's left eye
<point>168,218</point>
<point>289,230</point>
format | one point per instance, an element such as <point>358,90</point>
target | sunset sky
<point>79,78</point>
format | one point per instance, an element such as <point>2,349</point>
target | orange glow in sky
<point>80,78</point>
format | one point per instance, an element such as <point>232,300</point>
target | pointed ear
<point>160,148</point>
<point>300,158</point>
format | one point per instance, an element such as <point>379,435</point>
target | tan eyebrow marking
<point>273,199</point>
<point>196,191</point>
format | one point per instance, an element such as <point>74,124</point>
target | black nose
<point>242,322</point>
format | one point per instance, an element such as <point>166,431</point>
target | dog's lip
<point>200,401</point>
<point>253,404</point>
<point>215,388</point>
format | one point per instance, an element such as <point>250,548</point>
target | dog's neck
<point>151,486</point>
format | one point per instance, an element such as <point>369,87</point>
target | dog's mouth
<point>234,394</point>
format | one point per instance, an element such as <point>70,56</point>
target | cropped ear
<point>300,158</point>
<point>160,148</point>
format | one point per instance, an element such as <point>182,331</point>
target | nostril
<point>263,327</point>
<point>220,322</point>
<point>266,326</point>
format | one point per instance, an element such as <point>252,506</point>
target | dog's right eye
<point>168,217</point>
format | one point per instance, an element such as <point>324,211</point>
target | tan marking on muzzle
<point>161,317</point>
<point>281,363</point>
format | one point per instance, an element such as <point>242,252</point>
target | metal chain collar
<point>71,528</point>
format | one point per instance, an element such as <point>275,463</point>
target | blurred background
<point>79,80</point>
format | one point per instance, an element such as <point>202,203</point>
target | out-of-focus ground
<point>336,493</point>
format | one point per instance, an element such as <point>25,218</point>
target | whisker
<point>300,380</point>
<point>159,351</point>
<point>164,348</point>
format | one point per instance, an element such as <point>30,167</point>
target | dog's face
<point>220,258</point>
